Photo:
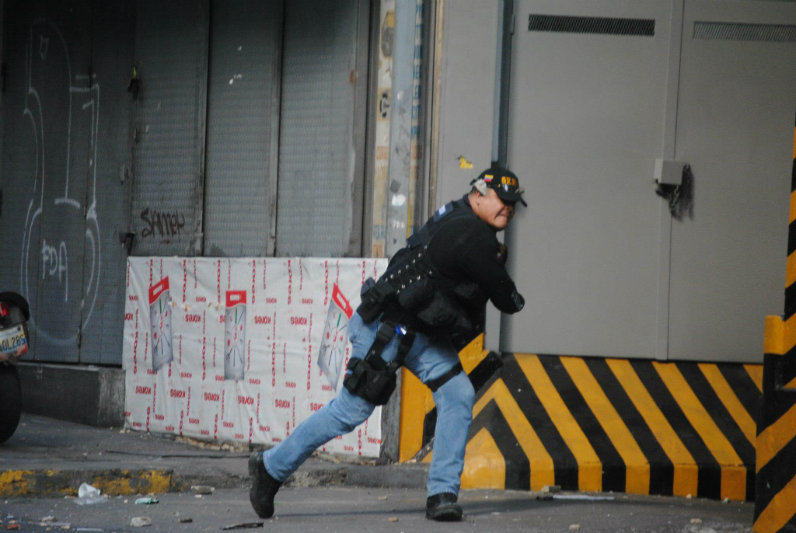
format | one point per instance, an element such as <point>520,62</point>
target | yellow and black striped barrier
<point>775,504</point>
<point>602,424</point>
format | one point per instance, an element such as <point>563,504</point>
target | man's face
<point>492,210</point>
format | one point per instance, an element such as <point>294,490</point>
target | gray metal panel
<point>316,205</point>
<point>470,33</point>
<point>586,125</point>
<point>242,122</point>
<point>45,167</point>
<point>735,128</point>
<point>171,55</point>
<point>108,197</point>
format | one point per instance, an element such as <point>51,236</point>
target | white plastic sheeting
<point>237,344</point>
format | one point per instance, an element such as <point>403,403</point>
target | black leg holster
<point>371,378</point>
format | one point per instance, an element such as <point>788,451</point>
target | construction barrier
<point>601,424</point>
<point>775,505</point>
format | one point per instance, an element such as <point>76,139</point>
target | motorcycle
<point>14,316</point>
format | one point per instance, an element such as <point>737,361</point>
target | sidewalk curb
<point>113,482</point>
<point>312,474</point>
<point>119,482</point>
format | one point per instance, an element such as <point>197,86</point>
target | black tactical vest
<point>413,292</point>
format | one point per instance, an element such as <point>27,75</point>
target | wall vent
<point>730,31</point>
<point>603,25</point>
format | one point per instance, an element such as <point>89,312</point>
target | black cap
<point>505,183</point>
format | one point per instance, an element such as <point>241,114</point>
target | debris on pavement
<point>56,524</point>
<point>141,521</point>
<point>586,497</point>
<point>696,520</point>
<point>242,525</point>
<point>185,520</point>
<point>392,519</point>
<point>574,527</point>
<point>89,495</point>
<point>202,489</point>
<point>147,500</point>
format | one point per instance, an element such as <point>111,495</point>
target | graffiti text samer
<point>161,224</point>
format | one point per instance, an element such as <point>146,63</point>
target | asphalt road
<point>351,509</point>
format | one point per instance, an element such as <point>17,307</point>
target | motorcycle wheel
<point>10,401</point>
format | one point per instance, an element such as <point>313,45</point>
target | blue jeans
<point>426,360</point>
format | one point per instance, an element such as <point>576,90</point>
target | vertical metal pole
<point>503,83</point>
<point>402,167</point>
<point>776,440</point>
<point>434,90</point>
<point>500,133</point>
<point>399,182</point>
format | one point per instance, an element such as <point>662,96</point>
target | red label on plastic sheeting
<point>235,297</point>
<point>157,289</point>
<point>341,301</point>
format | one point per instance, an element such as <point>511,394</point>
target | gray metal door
<point>171,59</point>
<point>319,206</point>
<point>737,99</point>
<point>107,202</point>
<point>588,84</point>
<point>65,127</point>
<point>242,128</point>
<point>47,150</point>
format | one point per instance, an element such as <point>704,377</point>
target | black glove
<point>518,300</point>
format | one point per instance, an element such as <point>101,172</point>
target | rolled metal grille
<point>603,25</point>
<point>726,31</point>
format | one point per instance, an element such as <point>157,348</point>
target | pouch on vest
<point>440,312</point>
<point>374,296</point>
<point>416,295</point>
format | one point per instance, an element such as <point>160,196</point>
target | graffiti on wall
<point>60,259</point>
<point>161,224</point>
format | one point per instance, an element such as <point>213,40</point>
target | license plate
<point>12,339</point>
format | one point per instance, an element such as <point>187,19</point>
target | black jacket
<point>465,257</point>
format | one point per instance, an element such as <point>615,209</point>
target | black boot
<point>443,508</point>
<point>264,487</point>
